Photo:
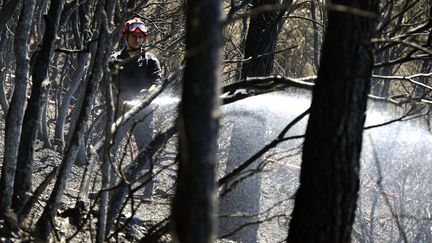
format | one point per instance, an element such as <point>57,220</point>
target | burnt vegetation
<point>228,163</point>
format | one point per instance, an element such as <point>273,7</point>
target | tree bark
<point>39,26</point>
<point>261,41</point>
<point>315,35</point>
<point>325,202</point>
<point>106,165</point>
<point>16,112</point>
<point>32,116</point>
<point>3,99</point>
<point>43,134</point>
<point>7,10</point>
<point>193,205</point>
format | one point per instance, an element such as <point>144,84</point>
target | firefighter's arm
<point>156,75</point>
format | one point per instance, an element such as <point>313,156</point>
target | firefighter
<point>133,81</point>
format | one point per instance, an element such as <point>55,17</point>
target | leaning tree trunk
<point>33,111</point>
<point>16,112</point>
<point>325,202</point>
<point>193,205</point>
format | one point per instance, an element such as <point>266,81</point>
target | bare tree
<point>39,93</point>
<point>6,11</point>
<point>261,40</point>
<point>16,110</point>
<point>79,29</point>
<point>44,224</point>
<point>193,205</point>
<point>325,202</point>
<point>106,42</point>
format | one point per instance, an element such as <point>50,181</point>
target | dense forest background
<point>62,178</point>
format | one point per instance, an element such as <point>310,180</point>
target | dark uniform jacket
<point>136,76</point>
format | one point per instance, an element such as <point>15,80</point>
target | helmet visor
<point>137,26</point>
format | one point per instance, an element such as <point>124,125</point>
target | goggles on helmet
<point>137,26</point>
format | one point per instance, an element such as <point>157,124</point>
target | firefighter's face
<point>135,40</point>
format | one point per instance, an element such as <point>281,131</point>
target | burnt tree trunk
<point>39,92</point>
<point>315,35</point>
<point>325,202</point>
<point>16,112</point>
<point>261,41</point>
<point>78,27</point>
<point>4,103</point>
<point>6,11</point>
<point>193,205</point>
<point>45,223</point>
<point>101,231</point>
<point>39,26</point>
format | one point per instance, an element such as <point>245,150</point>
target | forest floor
<point>146,214</point>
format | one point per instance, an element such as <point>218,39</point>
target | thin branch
<point>408,78</point>
<point>403,42</point>
<point>271,82</point>
<point>250,224</point>
<point>72,51</point>
<point>400,119</point>
<point>404,59</point>
<point>258,56</point>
